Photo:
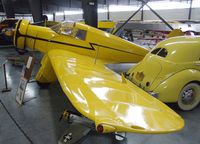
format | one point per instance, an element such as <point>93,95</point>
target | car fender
<point>169,89</point>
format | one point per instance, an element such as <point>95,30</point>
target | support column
<point>8,8</point>
<point>106,3</point>
<point>64,17</point>
<point>190,10</point>
<point>108,13</point>
<point>54,16</point>
<point>90,12</point>
<point>142,13</point>
<point>36,10</point>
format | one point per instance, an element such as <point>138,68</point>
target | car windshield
<point>66,28</point>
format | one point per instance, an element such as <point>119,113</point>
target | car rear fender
<point>169,89</point>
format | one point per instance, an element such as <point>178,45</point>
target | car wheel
<point>189,97</point>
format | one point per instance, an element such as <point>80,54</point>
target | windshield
<point>69,29</point>
<point>66,28</point>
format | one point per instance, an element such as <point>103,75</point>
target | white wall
<point>102,16</point>
<point>117,16</point>
<point>74,17</point>
<point>196,14</point>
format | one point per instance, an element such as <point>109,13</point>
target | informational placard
<point>29,62</point>
<point>27,69</point>
<point>25,76</point>
<point>21,90</point>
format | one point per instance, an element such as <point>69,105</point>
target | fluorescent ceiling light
<point>196,4</point>
<point>59,13</point>
<point>73,12</point>
<point>120,8</point>
<point>76,12</point>
<point>50,16</point>
<point>162,5</point>
<point>102,10</point>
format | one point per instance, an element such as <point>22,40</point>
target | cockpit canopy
<point>69,29</point>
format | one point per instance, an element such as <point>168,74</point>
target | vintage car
<point>171,72</point>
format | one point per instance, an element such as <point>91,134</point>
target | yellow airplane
<point>75,54</point>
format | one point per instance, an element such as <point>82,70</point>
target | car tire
<point>189,97</point>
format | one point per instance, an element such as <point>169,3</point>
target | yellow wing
<point>100,95</point>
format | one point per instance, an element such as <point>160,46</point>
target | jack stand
<point>120,138</point>
<point>6,89</point>
<point>74,134</point>
<point>79,127</point>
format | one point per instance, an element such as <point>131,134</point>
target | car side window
<point>163,53</point>
<point>155,51</point>
<point>81,34</point>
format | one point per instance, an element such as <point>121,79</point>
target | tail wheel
<point>189,97</point>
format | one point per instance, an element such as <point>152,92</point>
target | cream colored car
<point>171,72</point>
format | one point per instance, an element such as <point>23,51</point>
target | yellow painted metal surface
<point>106,24</point>
<point>102,96</point>
<point>75,54</point>
<point>166,76</point>
<point>97,43</point>
<point>175,32</point>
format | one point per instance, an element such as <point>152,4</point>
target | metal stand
<point>6,89</point>
<point>119,138</point>
<point>78,128</point>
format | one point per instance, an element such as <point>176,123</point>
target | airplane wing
<point>100,95</point>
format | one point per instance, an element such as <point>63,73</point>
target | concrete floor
<point>38,117</point>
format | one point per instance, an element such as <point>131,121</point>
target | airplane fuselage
<point>83,39</point>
